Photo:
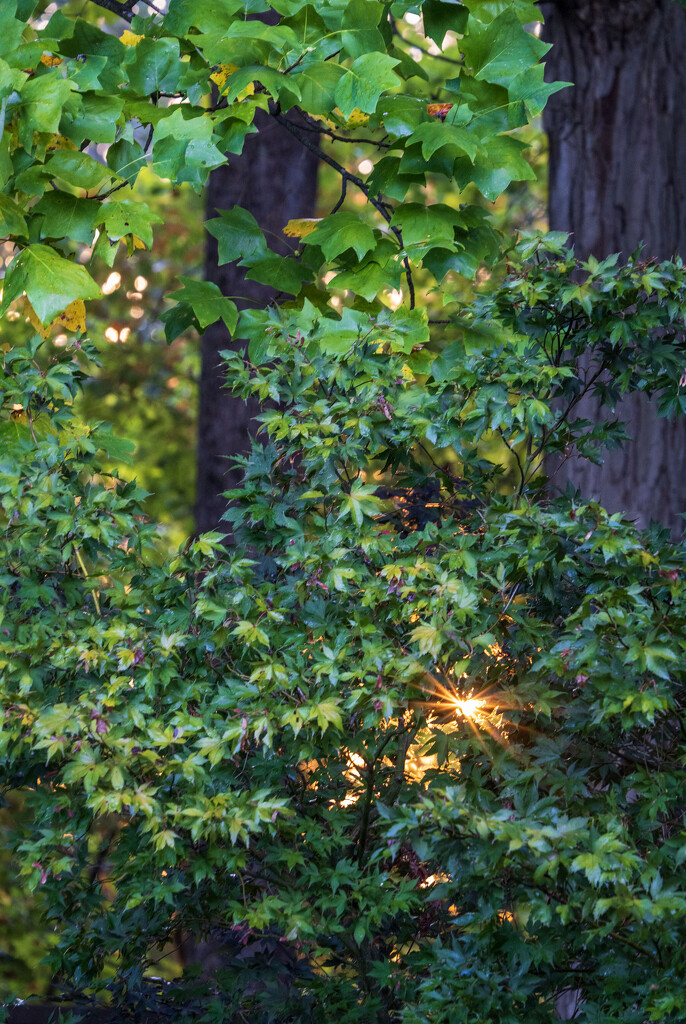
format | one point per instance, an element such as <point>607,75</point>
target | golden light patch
<point>472,707</point>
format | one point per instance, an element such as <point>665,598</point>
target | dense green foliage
<point>411,749</point>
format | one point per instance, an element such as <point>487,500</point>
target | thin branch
<point>422,49</point>
<point>124,10</point>
<point>511,448</point>
<point>384,209</point>
<point>344,189</point>
<point>320,130</point>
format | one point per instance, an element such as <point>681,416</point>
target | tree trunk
<point>617,153</point>
<point>275,178</point>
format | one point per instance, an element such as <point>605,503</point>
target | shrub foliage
<point>411,748</point>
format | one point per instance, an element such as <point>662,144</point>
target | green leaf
<point>498,162</point>
<point>153,66</point>
<point>280,272</point>
<point>12,220</point>
<point>362,84</point>
<point>7,79</point>
<point>207,302</point>
<point>442,261</point>
<point>280,86</point>
<point>359,502</point>
<point>239,236</point>
<point>428,637</point>
<point>435,135</point>
<point>378,271</point>
<point>77,169</point>
<point>327,713</point>
<point>119,449</point>
<point>184,150</point>
<point>427,225</point>
<point>404,328</point>
<point>50,282</point>
<point>402,115</point>
<point>123,217</point>
<point>43,99</point>
<point>96,119</point>
<point>530,88</point>
<point>213,18</point>
<point>317,83</point>
<point>67,216</point>
<point>500,51</point>
<point>126,159</point>
<point>11,28</point>
<point>341,231</point>
<point>360,27</point>
<point>441,16</point>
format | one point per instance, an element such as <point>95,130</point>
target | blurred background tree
<point>617,151</point>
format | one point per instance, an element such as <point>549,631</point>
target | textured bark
<point>275,178</point>
<point>617,156</point>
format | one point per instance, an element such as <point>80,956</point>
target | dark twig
<point>384,209</point>
<point>422,49</point>
<point>344,189</point>
<point>321,130</point>
<point>124,10</point>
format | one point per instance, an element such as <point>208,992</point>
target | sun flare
<point>472,707</point>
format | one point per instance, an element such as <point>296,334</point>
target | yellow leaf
<point>324,120</point>
<point>356,119</point>
<point>18,414</point>
<point>137,243</point>
<point>223,72</point>
<point>300,227</point>
<point>73,318</point>
<point>428,637</point>
<point>407,373</point>
<point>59,142</point>
<point>50,61</point>
<point>32,317</point>
<point>129,38</point>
